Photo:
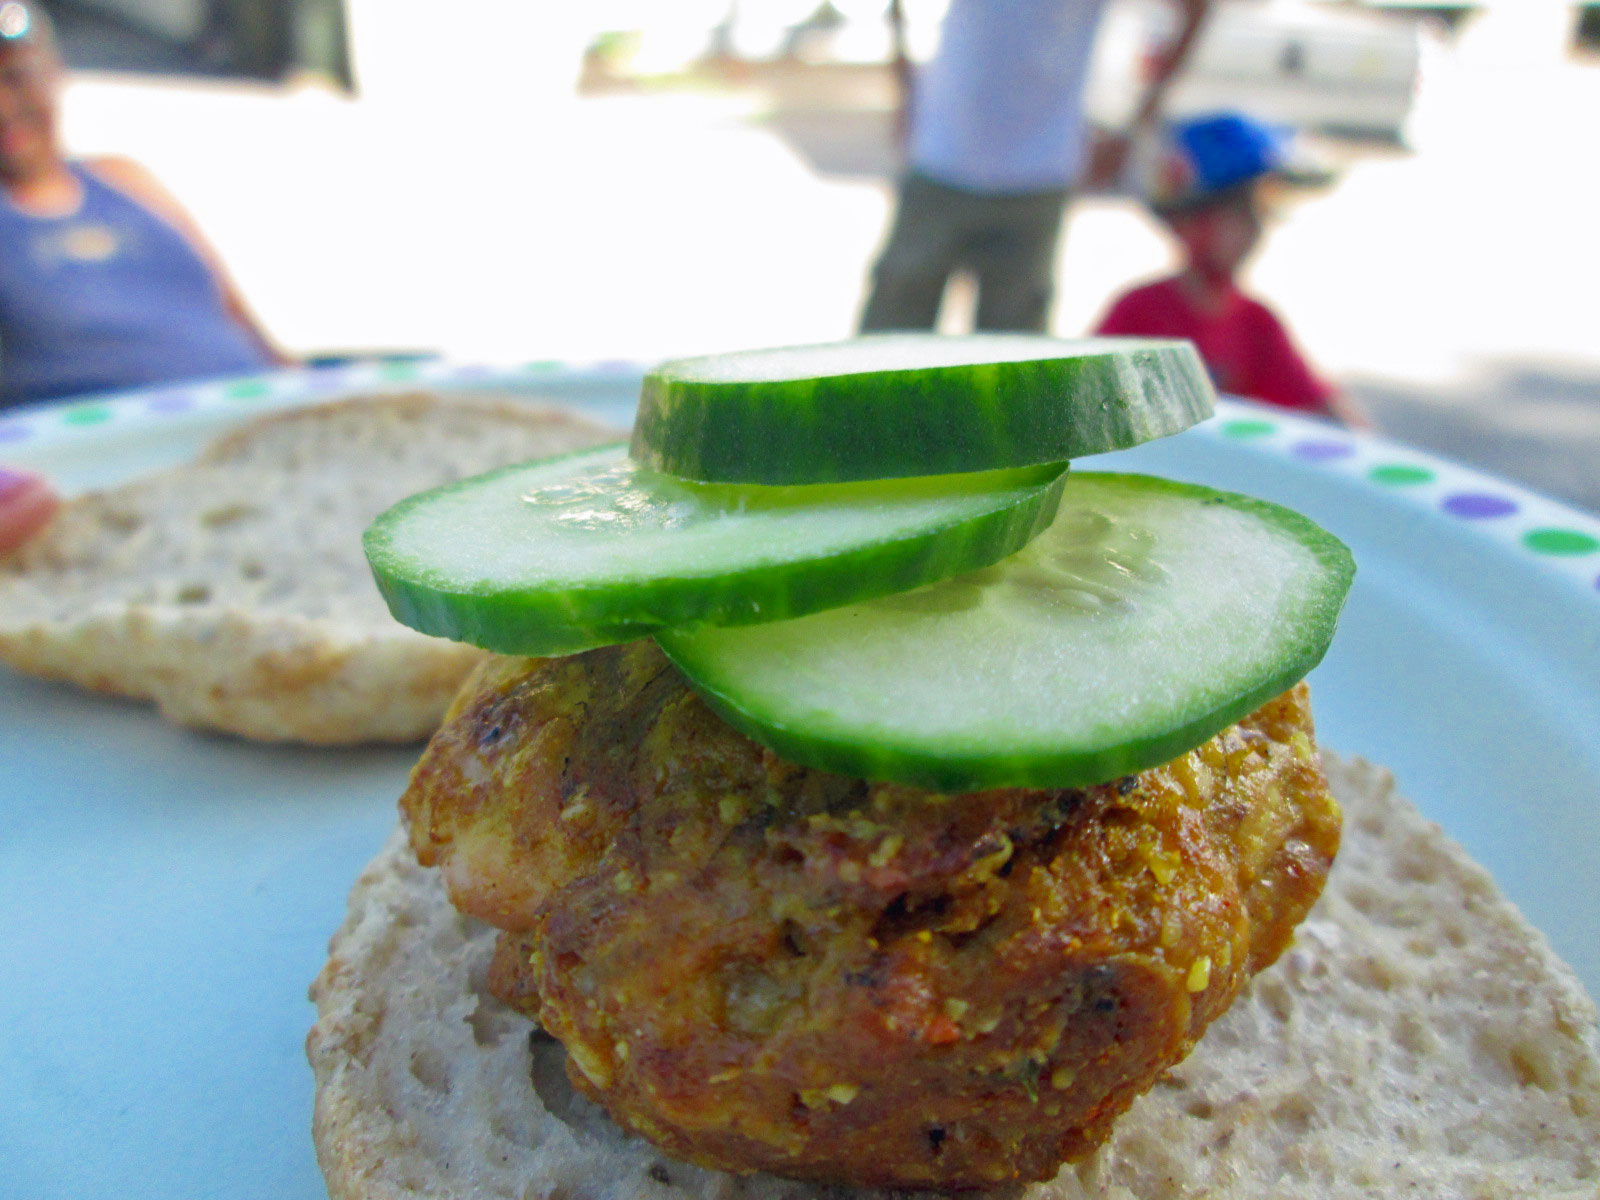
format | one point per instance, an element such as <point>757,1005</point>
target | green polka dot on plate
<point>1400,475</point>
<point>398,370</point>
<point>90,414</point>
<point>1248,429</point>
<point>247,389</point>
<point>1560,541</point>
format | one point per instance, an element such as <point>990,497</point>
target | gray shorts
<point>1008,243</point>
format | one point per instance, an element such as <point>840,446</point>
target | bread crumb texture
<point>233,591</point>
<point>1419,1039</point>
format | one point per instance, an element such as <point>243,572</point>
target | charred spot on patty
<point>760,966</point>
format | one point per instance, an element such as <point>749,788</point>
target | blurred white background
<point>472,199</point>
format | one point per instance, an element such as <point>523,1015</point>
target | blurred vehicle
<point>229,39</point>
<point>1329,67</point>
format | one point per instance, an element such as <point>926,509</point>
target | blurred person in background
<point>1206,189</point>
<point>996,139</point>
<point>105,281</point>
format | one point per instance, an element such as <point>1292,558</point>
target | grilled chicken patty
<point>760,966</point>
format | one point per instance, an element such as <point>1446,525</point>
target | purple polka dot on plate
<point>325,379</point>
<point>471,371</point>
<point>14,431</point>
<point>1477,505</point>
<point>1321,451</point>
<point>170,402</point>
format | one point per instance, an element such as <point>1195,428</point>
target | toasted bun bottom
<point>233,592</point>
<point>1418,1039</point>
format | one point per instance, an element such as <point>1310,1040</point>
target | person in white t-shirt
<point>996,141</point>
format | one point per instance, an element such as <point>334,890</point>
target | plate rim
<point>1555,537</point>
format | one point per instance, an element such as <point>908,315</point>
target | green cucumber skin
<point>943,420</point>
<point>951,774</point>
<point>1069,768</point>
<point>539,622</point>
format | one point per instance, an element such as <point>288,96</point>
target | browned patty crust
<point>761,966</point>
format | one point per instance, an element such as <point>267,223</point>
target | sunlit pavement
<point>1452,288</point>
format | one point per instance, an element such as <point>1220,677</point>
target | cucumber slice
<point>913,404</point>
<point>1151,615</point>
<point>579,551</point>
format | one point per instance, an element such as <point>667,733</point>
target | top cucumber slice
<point>1150,616</point>
<point>587,549</point>
<point>898,405</point>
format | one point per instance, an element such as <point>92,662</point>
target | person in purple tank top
<point>105,281</point>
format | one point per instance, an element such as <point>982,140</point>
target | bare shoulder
<point>137,180</point>
<point>119,169</point>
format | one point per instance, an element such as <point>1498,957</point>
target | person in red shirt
<point>1207,193</point>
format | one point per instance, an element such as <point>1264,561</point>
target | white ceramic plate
<point>167,896</point>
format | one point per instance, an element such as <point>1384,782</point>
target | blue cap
<point>1205,156</point>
